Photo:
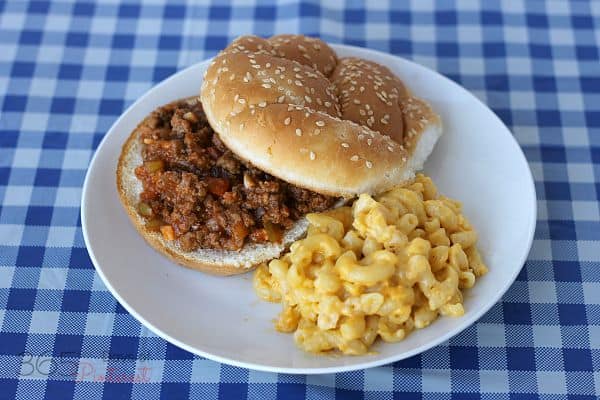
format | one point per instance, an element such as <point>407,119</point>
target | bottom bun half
<point>216,262</point>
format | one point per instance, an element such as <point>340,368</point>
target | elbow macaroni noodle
<point>383,267</point>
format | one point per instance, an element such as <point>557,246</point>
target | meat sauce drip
<point>199,193</point>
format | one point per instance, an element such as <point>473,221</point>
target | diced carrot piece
<point>218,186</point>
<point>239,231</point>
<point>167,232</point>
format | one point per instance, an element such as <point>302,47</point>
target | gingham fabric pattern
<point>68,70</point>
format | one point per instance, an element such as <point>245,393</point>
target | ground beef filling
<point>199,193</point>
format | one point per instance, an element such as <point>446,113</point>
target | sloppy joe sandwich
<point>283,127</point>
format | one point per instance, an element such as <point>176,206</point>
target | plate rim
<point>467,321</point>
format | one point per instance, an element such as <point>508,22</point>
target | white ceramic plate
<point>477,161</point>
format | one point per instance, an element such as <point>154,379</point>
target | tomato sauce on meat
<point>202,195</point>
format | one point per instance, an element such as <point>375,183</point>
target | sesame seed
<point>262,104</point>
<point>354,158</point>
<point>268,65</point>
<point>296,69</point>
<point>317,131</point>
<point>298,132</point>
<point>236,97</point>
<point>346,145</point>
<point>369,141</point>
<point>252,61</point>
<point>242,101</point>
<point>280,99</point>
<point>320,123</point>
<point>391,149</point>
<point>327,104</point>
<point>312,155</point>
<point>287,121</point>
<point>356,101</point>
<point>266,86</point>
<point>369,164</point>
<point>298,83</point>
<point>308,99</point>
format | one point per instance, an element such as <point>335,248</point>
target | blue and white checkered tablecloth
<point>67,70</point>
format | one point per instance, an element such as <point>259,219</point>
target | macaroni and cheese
<point>381,268</point>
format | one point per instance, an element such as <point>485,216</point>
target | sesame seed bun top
<point>335,126</point>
